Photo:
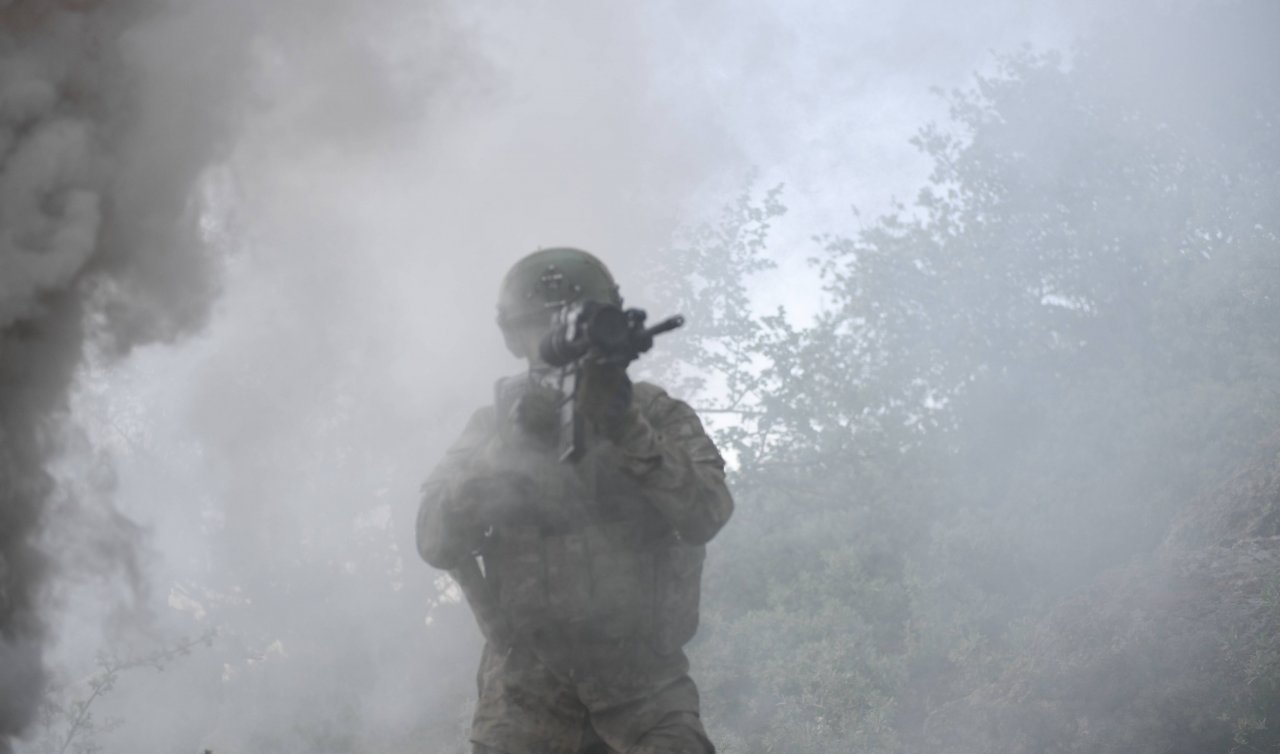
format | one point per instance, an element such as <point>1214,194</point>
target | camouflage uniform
<point>588,592</point>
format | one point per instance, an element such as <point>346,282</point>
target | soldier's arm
<point>666,449</point>
<point>448,529</point>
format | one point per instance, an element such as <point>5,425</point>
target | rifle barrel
<point>666,325</point>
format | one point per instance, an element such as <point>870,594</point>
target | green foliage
<point>67,721</point>
<point>1019,385</point>
<point>722,332</point>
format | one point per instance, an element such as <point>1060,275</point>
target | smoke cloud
<point>97,247</point>
<point>248,258</point>
<point>336,171</point>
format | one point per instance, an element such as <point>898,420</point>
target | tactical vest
<point>591,560</point>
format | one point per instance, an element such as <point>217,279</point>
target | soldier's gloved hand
<point>507,499</point>
<point>606,398</point>
<point>489,500</point>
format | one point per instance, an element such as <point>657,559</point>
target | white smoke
<point>372,169</point>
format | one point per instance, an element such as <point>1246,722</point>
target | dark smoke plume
<point>97,249</point>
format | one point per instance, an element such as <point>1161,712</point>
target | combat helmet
<point>542,282</point>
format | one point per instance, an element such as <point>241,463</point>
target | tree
<point>1018,385</point>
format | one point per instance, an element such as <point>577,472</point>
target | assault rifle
<point>591,331</point>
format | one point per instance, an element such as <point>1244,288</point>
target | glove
<point>486,501</point>
<point>605,398</point>
<point>507,499</point>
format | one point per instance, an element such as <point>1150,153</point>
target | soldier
<point>584,576</point>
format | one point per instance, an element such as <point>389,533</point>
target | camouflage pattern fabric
<point>524,706</point>
<point>585,577</point>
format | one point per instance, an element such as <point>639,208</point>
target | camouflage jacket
<point>608,549</point>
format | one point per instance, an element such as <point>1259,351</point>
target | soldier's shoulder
<point>484,416</point>
<point>482,423</point>
<point>646,393</point>
<point>655,402</point>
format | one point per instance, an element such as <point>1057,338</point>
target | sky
<point>358,177</point>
